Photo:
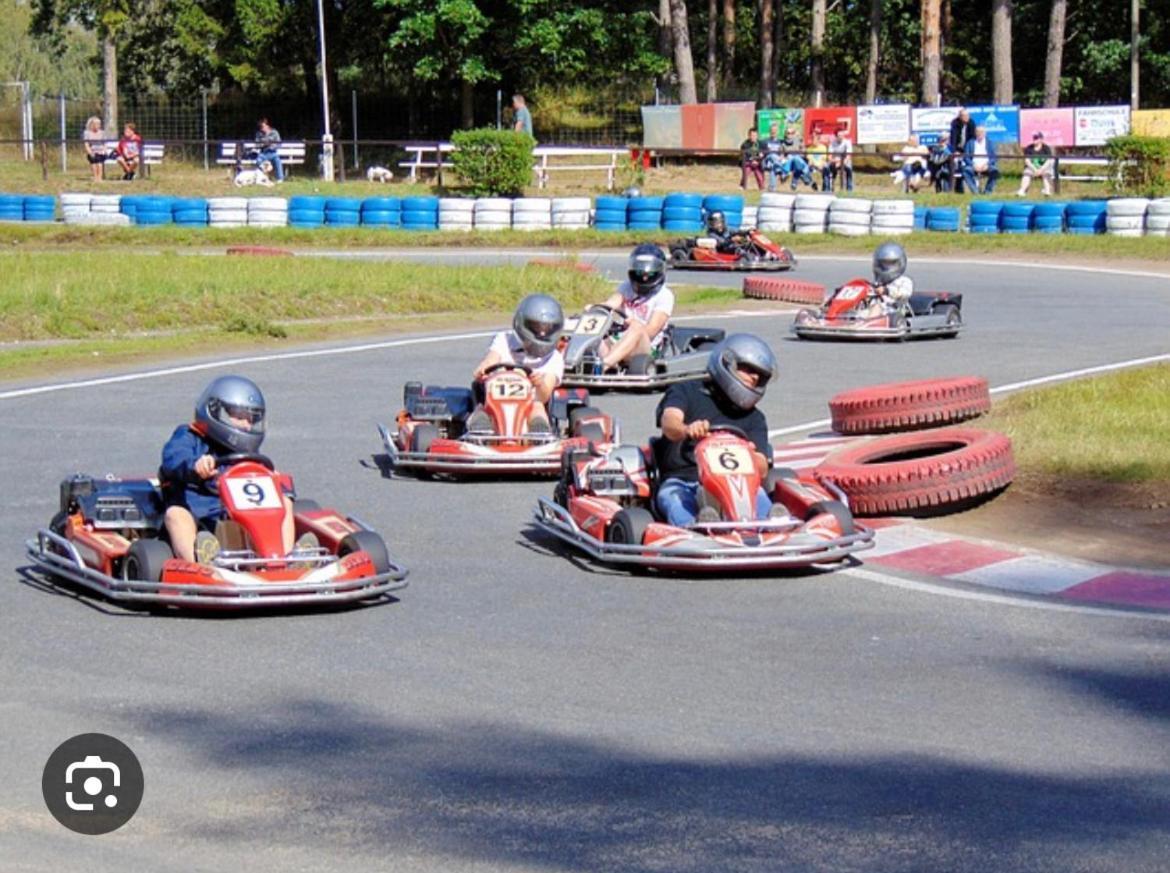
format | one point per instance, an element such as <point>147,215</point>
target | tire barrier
<point>921,214</point>
<point>225,211</point>
<point>850,217</point>
<point>420,213</point>
<point>775,212</point>
<point>610,213</point>
<point>983,216</point>
<point>306,211</point>
<point>343,212</point>
<point>1126,216</point>
<point>913,405</point>
<point>382,212</point>
<point>944,219</point>
<point>1086,216</point>
<point>11,207</point>
<point>189,211</point>
<point>810,213</point>
<point>921,473</point>
<point>532,213</point>
<point>751,216</point>
<point>39,207</point>
<point>456,213</point>
<point>267,212</point>
<point>571,213</point>
<point>731,205</point>
<point>75,206</point>
<point>152,210</point>
<point>492,213</point>
<point>644,213</point>
<point>683,213</point>
<point>1016,217</point>
<point>787,290</point>
<point>1048,217</point>
<point>892,217</point>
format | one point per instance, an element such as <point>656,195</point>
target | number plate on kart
<point>509,389</point>
<point>728,460</point>
<point>590,325</point>
<point>254,492</point>
<point>852,292</point>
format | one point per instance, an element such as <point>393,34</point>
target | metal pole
<point>499,109</point>
<point>1134,38</point>
<point>327,138</point>
<point>27,122</point>
<point>64,150</point>
<point>353,94</point>
<point>206,155</point>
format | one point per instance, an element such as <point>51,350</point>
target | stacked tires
<point>343,212</point>
<point>420,213</point>
<point>892,217</point>
<point>531,213</point>
<point>104,209</point>
<point>811,213</point>
<point>75,207</point>
<point>731,205</point>
<point>850,217</point>
<point>750,218</point>
<point>1158,217</point>
<point>267,212</point>
<point>945,219</point>
<point>105,204</point>
<point>775,212</point>
<point>683,213</point>
<point>571,213</point>
<point>11,207</point>
<point>983,216</point>
<point>39,207</point>
<point>152,210</point>
<point>190,211</point>
<point>456,213</point>
<point>493,213</point>
<point>227,211</point>
<point>610,214</point>
<point>1016,217</point>
<point>306,211</point>
<point>644,213</point>
<point>1048,218</point>
<point>1126,216</point>
<point>382,212</point>
<point>1086,216</point>
<point>921,213</point>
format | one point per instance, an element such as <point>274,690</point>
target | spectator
<point>523,122</point>
<point>962,131</point>
<point>751,160</point>
<point>94,140</point>
<point>268,138</point>
<point>129,152</point>
<point>979,160</point>
<point>817,154</point>
<point>794,164</point>
<point>940,163</point>
<point>773,154</point>
<point>913,172</point>
<point>840,161</point>
<point>1037,162</point>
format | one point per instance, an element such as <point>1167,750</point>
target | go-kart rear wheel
<point>679,254</point>
<point>838,510</point>
<point>954,319</point>
<point>369,542</point>
<point>628,527</point>
<point>144,562</point>
<point>422,437</point>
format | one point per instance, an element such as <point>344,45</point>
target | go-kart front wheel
<point>628,527</point>
<point>369,542</point>
<point>838,510</point>
<point>144,562</point>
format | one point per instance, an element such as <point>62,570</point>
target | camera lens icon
<point>92,784</point>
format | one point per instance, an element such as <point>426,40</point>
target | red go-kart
<point>109,537</point>
<point>432,435</point>
<point>604,505</point>
<point>850,313</point>
<point>753,251</point>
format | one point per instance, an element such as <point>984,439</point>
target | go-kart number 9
<point>590,325</point>
<point>729,460</point>
<point>851,292</point>
<point>257,492</point>
<point>509,389</point>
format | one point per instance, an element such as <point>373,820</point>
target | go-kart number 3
<point>590,324</point>
<point>509,389</point>
<point>254,493</point>
<point>729,460</point>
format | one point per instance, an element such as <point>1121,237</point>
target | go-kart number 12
<point>509,389</point>
<point>729,460</point>
<point>254,493</point>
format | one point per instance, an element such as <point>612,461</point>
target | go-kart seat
<point>688,339</point>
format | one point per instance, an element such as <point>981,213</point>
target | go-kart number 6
<point>590,324</point>
<point>509,389</point>
<point>729,460</point>
<point>254,493</point>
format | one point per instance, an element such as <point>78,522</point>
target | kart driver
<point>725,240</point>
<point>740,368</point>
<point>647,303</point>
<point>532,343</point>
<point>229,419</point>
<point>891,287</point>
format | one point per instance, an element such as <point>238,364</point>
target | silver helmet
<point>538,323</point>
<point>746,351</point>
<point>646,270</point>
<point>717,222</point>
<point>632,191</point>
<point>889,262</point>
<point>230,412</point>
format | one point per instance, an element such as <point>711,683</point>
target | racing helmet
<point>647,270</point>
<point>889,262</point>
<point>538,322</point>
<point>717,222</point>
<point>230,412</point>
<point>747,351</point>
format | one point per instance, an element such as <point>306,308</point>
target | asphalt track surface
<point>517,710</point>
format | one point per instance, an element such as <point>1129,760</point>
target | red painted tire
<point>909,405</point>
<point>921,472</point>
<point>264,251</point>
<point>788,290</point>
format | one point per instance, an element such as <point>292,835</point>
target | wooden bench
<point>435,156</point>
<point>426,157</point>
<point>1061,163</point>
<point>291,154</point>
<point>152,154</point>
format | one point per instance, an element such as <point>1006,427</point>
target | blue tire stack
<point>189,211</point>
<point>644,213</point>
<point>942,218</point>
<point>39,207</point>
<point>129,205</point>
<point>306,211</point>
<point>1086,216</point>
<point>11,207</point>
<point>610,213</point>
<point>382,212</point>
<point>731,205</point>
<point>1016,217</point>
<point>420,213</point>
<point>1048,218</point>
<point>343,212</point>
<point>683,213</point>
<point>920,215</point>
<point>152,210</point>
<point>984,216</point>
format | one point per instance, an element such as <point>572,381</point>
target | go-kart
<point>681,358</point>
<point>604,505</point>
<point>753,251</point>
<point>109,536</point>
<point>849,313</point>
<point>432,435</point>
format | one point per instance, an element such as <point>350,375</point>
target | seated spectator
<point>268,138</point>
<point>773,154</point>
<point>840,161</point>
<point>94,140</point>
<point>939,163</point>
<point>979,159</point>
<point>913,172</point>
<point>751,160</point>
<point>1037,162</point>
<point>817,154</point>
<point>129,152</point>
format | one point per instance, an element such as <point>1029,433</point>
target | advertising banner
<point>662,127</point>
<point>823,123</point>
<point>1096,124</point>
<point>929,121</point>
<point>1151,122</point>
<point>1002,122</point>
<point>1056,125</point>
<point>878,124</point>
<point>784,119</point>
<point>698,126</point>
<point>732,122</point>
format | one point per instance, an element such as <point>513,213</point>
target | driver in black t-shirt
<point>740,368</point>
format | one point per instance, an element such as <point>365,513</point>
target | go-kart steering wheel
<point>618,317</point>
<point>503,365</point>
<point>222,461</point>
<point>729,428</point>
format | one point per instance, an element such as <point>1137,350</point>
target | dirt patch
<point>1124,525</point>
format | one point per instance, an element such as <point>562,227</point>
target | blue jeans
<point>973,184</point>
<point>798,168</point>
<point>845,172</point>
<point>771,164</point>
<point>678,501</point>
<point>274,158</point>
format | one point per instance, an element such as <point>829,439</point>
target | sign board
<point>1152,122</point>
<point>879,124</point>
<point>1055,124</point>
<point>1002,122</point>
<point>662,127</point>
<point>1097,124</point>
<point>784,119</point>
<point>929,121</point>
<point>821,124</point>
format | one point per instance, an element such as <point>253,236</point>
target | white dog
<point>378,174</point>
<point>252,177</point>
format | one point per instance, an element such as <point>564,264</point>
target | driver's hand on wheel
<point>696,430</point>
<point>205,467</point>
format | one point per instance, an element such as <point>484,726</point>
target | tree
<point>1002,90</point>
<point>106,17</point>
<point>665,39</point>
<point>712,46</point>
<point>817,69</point>
<point>931,51</point>
<point>1052,63</point>
<point>684,63</point>
<point>728,42</point>
<point>767,48</point>
<point>875,44</point>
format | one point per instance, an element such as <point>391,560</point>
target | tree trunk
<point>875,49</point>
<point>778,46</point>
<point>1002,88</point>
<point>665,41</point>
<point>1052,64</point>
<point>466,105</point>
<point>684,63</point>
<point>818,52</point>
<point>767,48</point>
<point>728,42</point>
<point>110,85</point>
<point>944,42</point>
<point>931,51</point>
<point>712,47</point>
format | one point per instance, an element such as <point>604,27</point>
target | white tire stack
<point>456,213</point>
<point>493,213</point>
<point>850,216</point>
<point>810,213</point>
<point>532,213</point>
<point>227,211</point>
<point>266,212</point>
<point>1126,216</point>
<point>75,207</point>
<point>775,212</point>
<point>107,219</point>
<point>571,213</point>
<point>892,217</point>
<point>1158,217</point>
<point>751,217</point>
<point>108,204</point>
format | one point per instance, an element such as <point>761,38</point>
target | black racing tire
<point>679,254</point>
<point>369,542</point>
<point>628,526</point>
<point>422,437</point>
<point>898,322</point>
<point>838,510</point>
<point>579,412</point>
<point>302,504</point>
<point>954,319</point>
<point>144,562</point>
<point>639,365</point>
<point>561,493</point>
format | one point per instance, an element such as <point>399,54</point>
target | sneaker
<point>480,421</point>
<point>206,547</point>
<point>707,515</point>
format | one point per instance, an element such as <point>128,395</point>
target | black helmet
<point>647,272</point>
<point>889,262</point>
<point>747,351</point>
<point>717,222</point>
<point>538,322</point>
<point>231,413</point>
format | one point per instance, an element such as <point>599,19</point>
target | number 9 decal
<point>253,492</point>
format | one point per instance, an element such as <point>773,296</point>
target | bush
<point>493,162</point>
<point>1139,164</point>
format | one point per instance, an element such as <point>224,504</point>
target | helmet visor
<point>249,419</point>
